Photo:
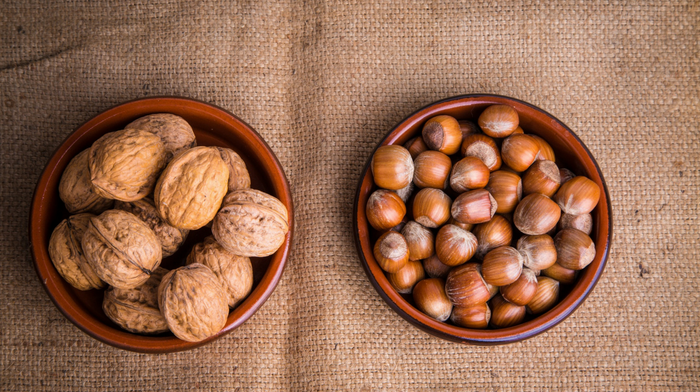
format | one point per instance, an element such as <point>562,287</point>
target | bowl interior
<point>212,127</point>
<point>570,152</point>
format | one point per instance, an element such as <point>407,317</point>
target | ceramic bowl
<point>570,152</point>
<point>212,127</point>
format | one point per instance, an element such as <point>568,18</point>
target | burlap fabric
<point>323,83</point>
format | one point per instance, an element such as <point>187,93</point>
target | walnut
<point>124,165</point>
<point>121,249</point>
<point>75,188</point>
<point>234,272</point>
<point>238,173</point>
<point>136,310</point>
<point>257,197</point>
<point>173,130</point>
<point>67,254</point>
<point>191,188</point>
<point>170,237</point>
<point>193,302</point>
<point>248,227</point>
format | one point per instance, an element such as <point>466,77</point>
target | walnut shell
<point>234,272</point>
<point>124,165</point>
<point>173,130</point>
<point>257,197</point>
<point>193,302</point>
<point>171,238</point>
<point>67,255</point>
<point>121,249</point>
<point>191,188</point>
<point>75,188</point>
<point>238,178</point>
<point>249,229</point>
<point>136,310</point>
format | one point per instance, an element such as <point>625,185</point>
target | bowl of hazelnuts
<point>482,219</point>
<point>161,224</point>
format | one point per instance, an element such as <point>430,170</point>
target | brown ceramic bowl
<point>212,127</point>
<point>570,151</point>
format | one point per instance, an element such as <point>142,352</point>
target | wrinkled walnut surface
<point>136,310</point>
<point>66,253</point>
<point>75,188</point>
<point>239,178</point>
<point>257,197</point>
<point>193,302</point>
<point>171,238</point>
<point>249,229</point>
<point>173,130</point>
<point>124,165</point>
<point>121,249</point>
<point>234,272</point>
<point>191,188</point>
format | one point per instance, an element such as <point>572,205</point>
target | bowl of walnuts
<point>161,224</point>
<point>482,219</point>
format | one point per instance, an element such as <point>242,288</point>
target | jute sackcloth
<point>323,82</point>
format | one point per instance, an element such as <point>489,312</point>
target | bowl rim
<point>453,333</point>
<point>144,343</point>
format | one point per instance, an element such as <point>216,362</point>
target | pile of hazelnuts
<point>478,222</point>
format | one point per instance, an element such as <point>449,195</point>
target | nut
<point>469,173</point>
<point>502,266</point>
<point>538,251</point>
<point>249,226</point>
<point>546,152</point>
<point>476,316</point>
<point>235,273</point>
<point>406,192</point>
<point>136,310</point>
<point>477,206</point>
<point>384,209</point>
<point>124,165</point>
<point>171,238</point>
<point>75,188</point>
<point>442,133</point>
<point>431,207</point>
<point>492,234</point>
<point>465,226</point>
<point>415,146</point>
<point>575,249</point>
<point>578,196</point>
<point>121,249</point>
<point>465,286</point>
<point>391,251</point>
<point>431,170</point>
<point>430,298</point>
<point>173,130</point>
<point>522,290</point>
<point>499,120</point>
<point>566,174</point>
<point>505,314</point>
<point>404,279</point>
<point>421,242</point>
<point>519,151</point>
<point>454,245</point>
<point>238,176</point>
<point>542,177</point>
<point>191,188</point>
<point>193,302</point>
<point>392,167</point>
<point>484,148</point>
<point>559,273</point>
<point>536,214</point>
<point>468,128</point>
<point>66,253</point>
<point>518,130</point>
<point>434,268</point>
<point>583,222</point>
<point>507,189</point>
<point>546,296</point>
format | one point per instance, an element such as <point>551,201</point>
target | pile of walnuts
<point>134,196</point>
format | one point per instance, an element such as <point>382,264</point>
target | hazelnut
<point>435,268</point>
<point>506,188</point>
<point>538,251</point>
<point>492,234</point>
<point>519,152</point>
<point>432,170</point>
<point>431,207</point>
<point>392,167</point>
<point>522,290</point>
<point>465,286</point>
<point>421,242</point>
<point>476,316</point>
<point>391,251</point>
<point>385,209</point>
<point>566,174</point>
<point>406,192</point>
<point>477,206</point>
<point>502,266</point>
<point>430,298</point>
<point>578,196</point>
<point>518,130</point>
<point>442,133</point>
<point>484,148</point>
<point>404,279</point>
<point>505,314</point>
<point>542,177</point>
<point>559,273</point>
<point>545,297</point>
<point>469,173</point>
<point>499,120</point>
<point>465,226</point>
<point>575,249</point>
<point>583,222</point>
<point>454,245</point>
<point>546,152</point>
<point>536,214</point>
<point>468,128</point>
<point>415,146</point>
<point>75,188</point>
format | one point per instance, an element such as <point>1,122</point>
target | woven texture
<point>323,83</point>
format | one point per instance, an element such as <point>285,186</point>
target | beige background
<point>322,83</point>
